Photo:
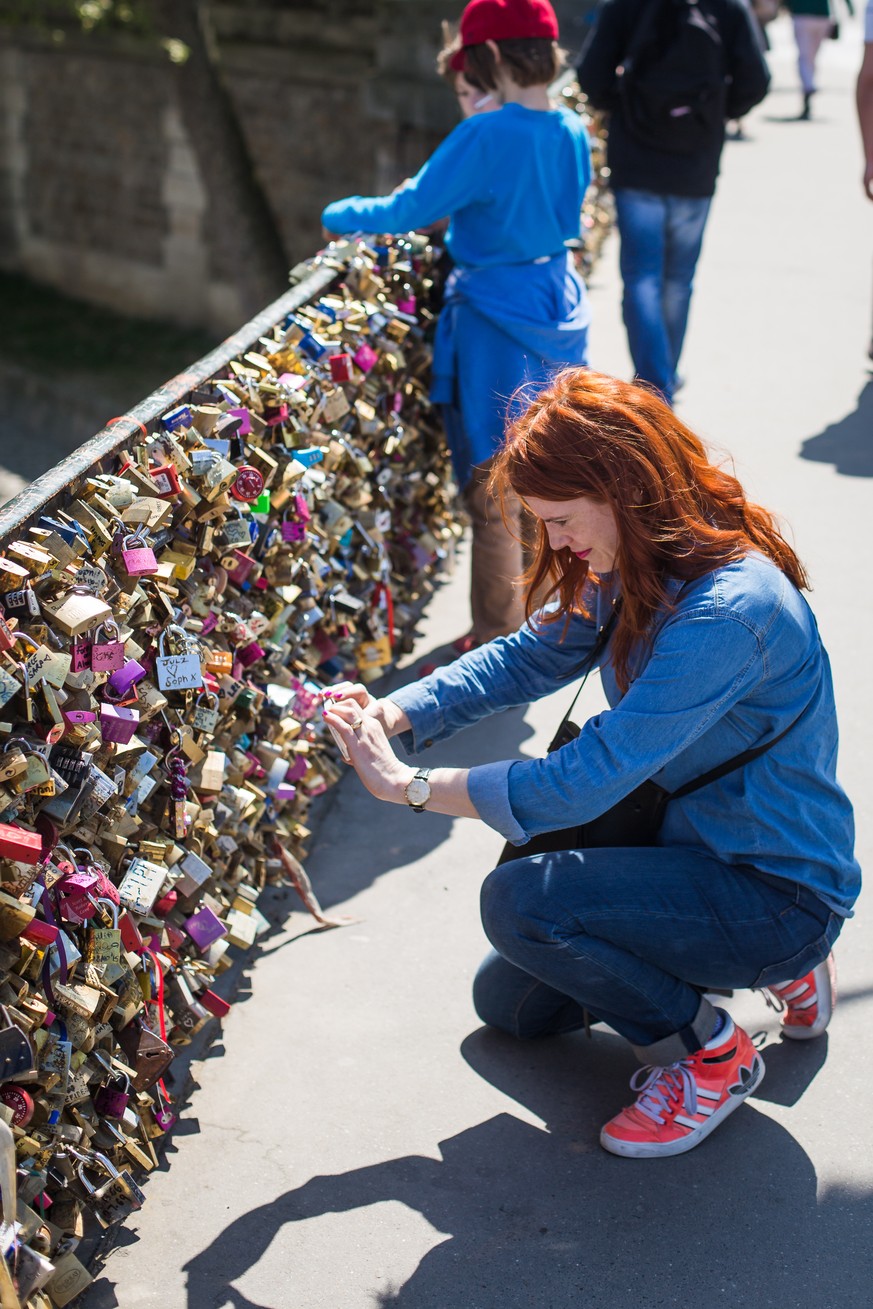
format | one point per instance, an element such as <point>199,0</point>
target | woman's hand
<point>366,743</point>
<point>390,715</point>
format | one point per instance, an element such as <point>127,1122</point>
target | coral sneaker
<point>808,1003</point>
<point>677,1107</point>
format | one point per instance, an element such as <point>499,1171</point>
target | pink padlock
<point>285,792</point>
<point>118,724</point>
<point>137,557</point>
<point>80,655</point>
<point>407,304</point>
<point>250,654</point>
<point>366,358</point>
<point>76,717</point>
<point>297,769</point>
<point>245,427</point>
<point>292,532</point>
<point>123,681</point>
<point>244,565</point>
<point>107,656</point>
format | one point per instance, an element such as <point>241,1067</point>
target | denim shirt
<point>732,663</point>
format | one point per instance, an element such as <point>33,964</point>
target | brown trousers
<point>496,596</point>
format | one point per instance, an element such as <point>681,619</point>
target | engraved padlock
<point>103,944</point>
<point>80,655</point>
<point>206,715</point>
<point>107,656</point>
<point>234,531</point>
<point>137,556</point>
<point>182,671</point>
<point>117,1198</point>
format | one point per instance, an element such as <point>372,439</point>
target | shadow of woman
<point>847,444</point>
<point>537,1214</point>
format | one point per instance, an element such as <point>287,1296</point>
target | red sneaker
<point>678,1106</point>
<point>808,1003</point>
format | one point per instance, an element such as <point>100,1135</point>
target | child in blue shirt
<point>512,183</point>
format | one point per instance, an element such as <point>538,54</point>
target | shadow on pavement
<point>847,444</point>
<point>542,1216</point>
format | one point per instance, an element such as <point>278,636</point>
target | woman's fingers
<point>347,691</point>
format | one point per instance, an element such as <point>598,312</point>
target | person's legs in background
<point>685,223</point>
<point>641,218</point>
<point>809,32</point>
<point>496,600</point>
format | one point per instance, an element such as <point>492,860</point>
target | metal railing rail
<point>118,431</point>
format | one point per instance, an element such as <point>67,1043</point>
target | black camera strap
<point>567,729</point>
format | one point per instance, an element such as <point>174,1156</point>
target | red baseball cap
<point>504,20</point>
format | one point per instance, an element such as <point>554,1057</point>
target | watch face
<point>418,791</point>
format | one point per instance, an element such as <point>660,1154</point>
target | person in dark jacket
<point>663,195</point>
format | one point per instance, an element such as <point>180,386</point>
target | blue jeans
<point>635,936</point>
<point>661,236</point>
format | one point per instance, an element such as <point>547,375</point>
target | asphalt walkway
<point>357,1140</point>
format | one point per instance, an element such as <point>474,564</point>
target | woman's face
<point>586,527</point>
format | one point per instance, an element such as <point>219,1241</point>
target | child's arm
<point>451,179</point>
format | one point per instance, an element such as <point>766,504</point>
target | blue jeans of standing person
<point>635,936</point>
<point>661,236</point>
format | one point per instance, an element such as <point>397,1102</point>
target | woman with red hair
<point>687,596</point>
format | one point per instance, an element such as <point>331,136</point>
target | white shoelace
<point>657,1087</point>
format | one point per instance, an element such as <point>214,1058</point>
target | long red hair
<point>678,515</point>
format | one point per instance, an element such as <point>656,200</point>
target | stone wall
<point>115,184</point>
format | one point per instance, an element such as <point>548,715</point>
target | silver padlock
<point>206,715</point>
<point>117,1198</point>
<point>178,672</point>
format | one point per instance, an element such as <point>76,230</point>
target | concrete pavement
<point>356,1140</point>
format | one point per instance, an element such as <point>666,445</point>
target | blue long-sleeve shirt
<point>731,666</point>
<point>512,183</point>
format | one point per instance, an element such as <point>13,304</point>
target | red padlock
<point>20,1102</point>
<point>166,479</point>
<point>249,484</point>
<point>18,844</point>
<point>341,368</point>
<point>214,1003</point>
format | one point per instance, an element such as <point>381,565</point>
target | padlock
<point>116,1199</point>
<point>118,724</point>
<point>234,532</point>
<point>107,656</point>
<point>166,479</point>
<point>36,771</point>
<point>140,885</point>
<point>137,557</point>
<point>112,1097</point>
<point>178,672</point>
<point>219,661</point>
<point>80,655</point>
<point>122,682</point>
<point>341,368</point>
<point>205,715</point>
<point>248,484</point>
<point>70,762</point>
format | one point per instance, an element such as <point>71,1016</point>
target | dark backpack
<point>673,83</point>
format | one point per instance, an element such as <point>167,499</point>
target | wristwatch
<point>418,790</point>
